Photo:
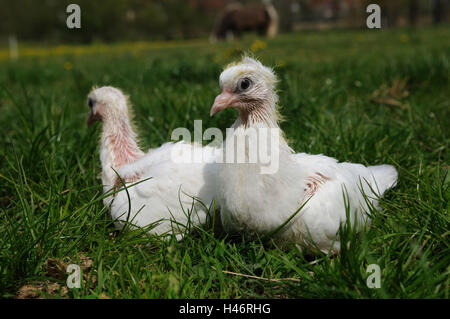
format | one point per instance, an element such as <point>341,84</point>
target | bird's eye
<point>90,103</point>
<point>244,84</point>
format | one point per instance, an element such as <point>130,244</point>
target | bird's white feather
<point>176,195</point>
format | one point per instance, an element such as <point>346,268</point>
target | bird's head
<point>248,86</point>
<point>106,102</point>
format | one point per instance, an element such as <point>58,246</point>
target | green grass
<point>49,165</point>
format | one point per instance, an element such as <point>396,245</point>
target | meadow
<point>363,96</point>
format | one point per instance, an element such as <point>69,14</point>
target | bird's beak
<point>223,100</point>
<point>92,117</point>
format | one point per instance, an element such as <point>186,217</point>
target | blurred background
<point>139,20</point>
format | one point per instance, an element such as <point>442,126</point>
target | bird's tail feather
<point>385,177</point>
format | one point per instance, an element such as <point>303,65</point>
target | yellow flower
<point>404,38</point>
<point>67,65</point>
<point>258,45</point>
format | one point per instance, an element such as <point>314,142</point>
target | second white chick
<point>179,191</point>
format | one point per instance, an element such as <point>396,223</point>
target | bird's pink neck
<point>118,147</point>
<point>260,116</point>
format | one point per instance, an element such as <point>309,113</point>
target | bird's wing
<point>180,180</point>
<point>180,152</point>
<point>313,164</point>
<point>175,191</point>
<point>350,174</point>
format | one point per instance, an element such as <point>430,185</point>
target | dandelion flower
<point>67,65</point>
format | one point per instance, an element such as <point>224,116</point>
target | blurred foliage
<point>131,20</point>
<point>106,20</point>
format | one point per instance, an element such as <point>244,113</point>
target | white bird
<point>179,192</point>
<point>254,202</point>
